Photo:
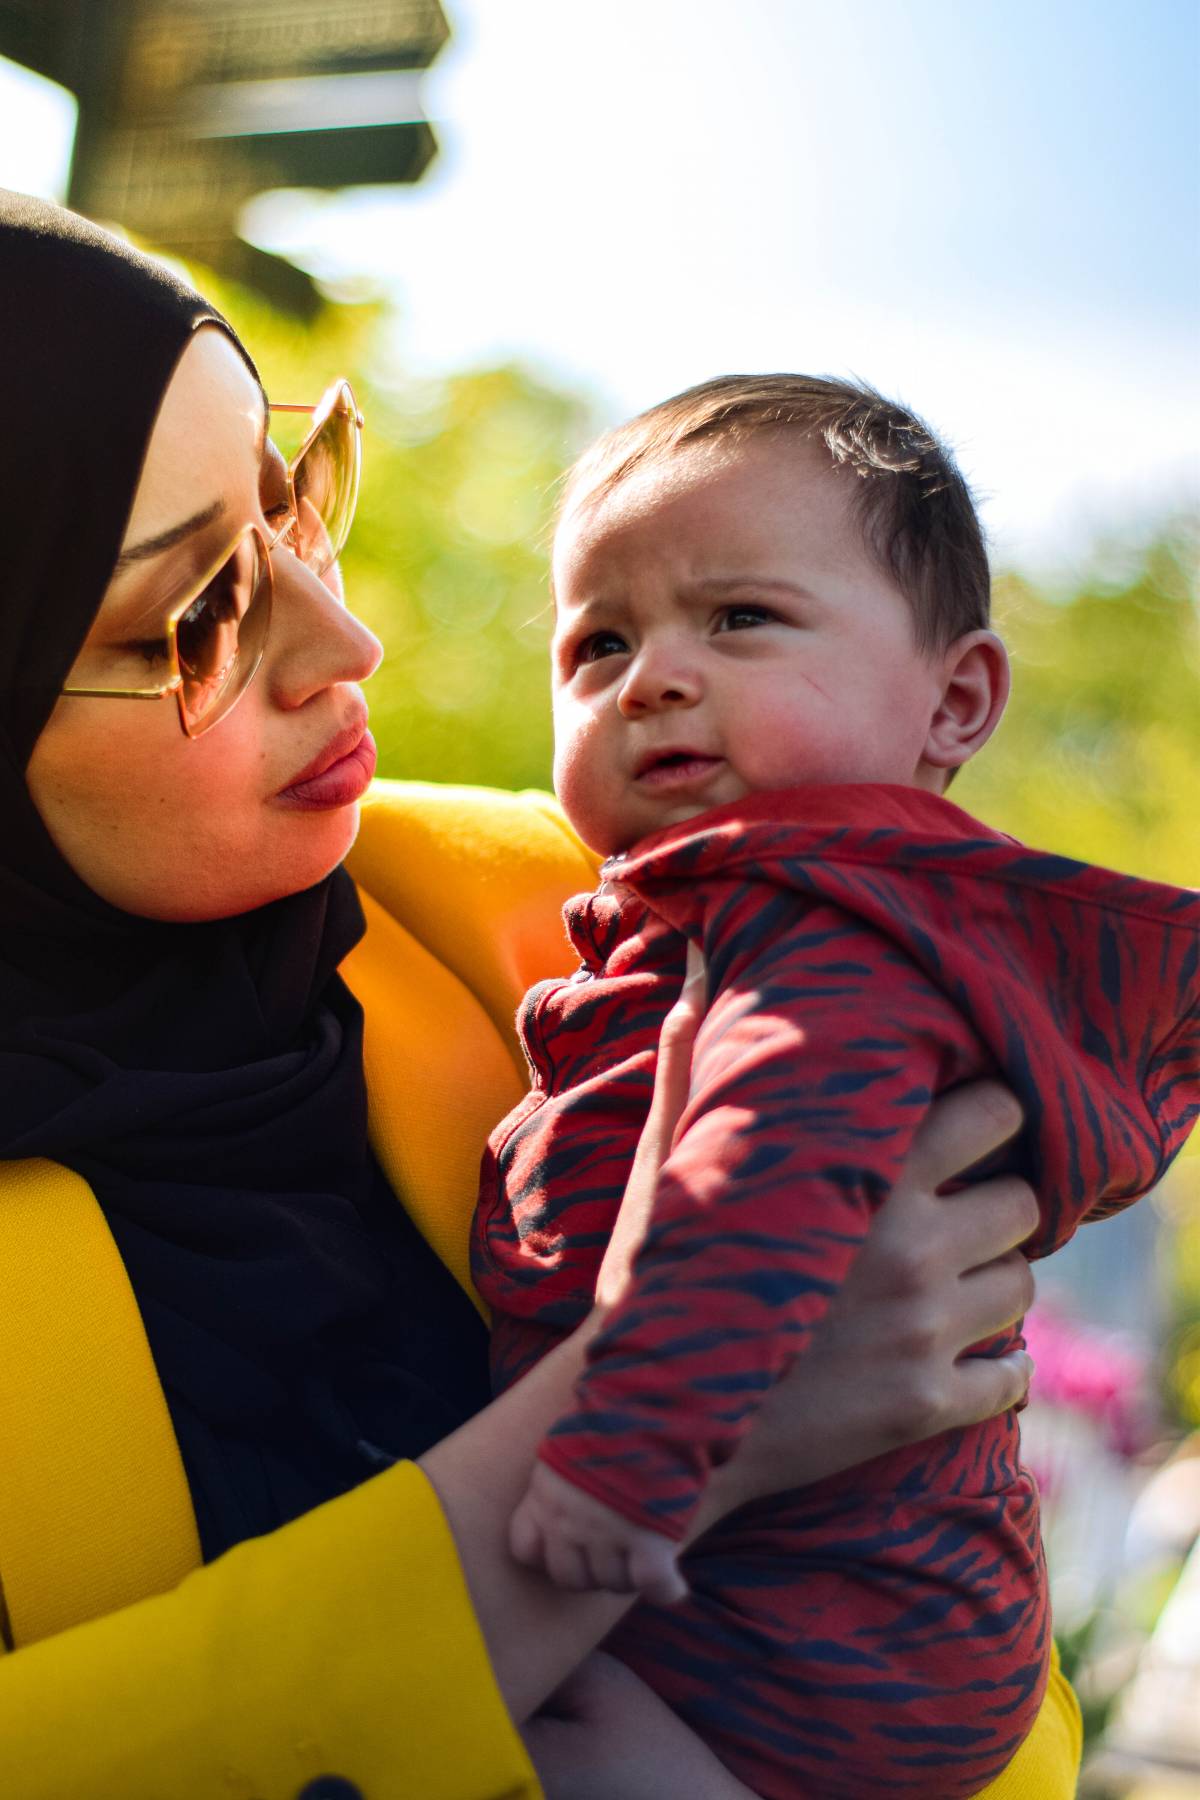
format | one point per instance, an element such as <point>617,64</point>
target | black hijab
<point>206,1079</point>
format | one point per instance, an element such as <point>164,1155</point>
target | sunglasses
<point>213,638</point>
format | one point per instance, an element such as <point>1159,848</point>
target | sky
<point>989,208</point>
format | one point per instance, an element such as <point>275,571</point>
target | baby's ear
<point>975,681</point>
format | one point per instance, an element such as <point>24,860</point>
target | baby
<point>771,654</point>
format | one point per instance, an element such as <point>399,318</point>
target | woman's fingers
<point>937,1274</point>
<point>961,1128</point>
<point>975,1388</point>
<point>996,1295</point>
<point>929,1395</point>
<point>987,1220</point>
<point>987,1385</point>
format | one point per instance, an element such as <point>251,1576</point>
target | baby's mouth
<point>671,768</point>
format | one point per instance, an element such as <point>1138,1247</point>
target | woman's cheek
<point>156,823</point>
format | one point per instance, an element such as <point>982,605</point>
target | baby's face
<point>721,629</point>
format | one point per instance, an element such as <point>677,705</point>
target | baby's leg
<point>884,1633</point>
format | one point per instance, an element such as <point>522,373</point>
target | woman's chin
<point>320,843</point>
<point>232,882</point>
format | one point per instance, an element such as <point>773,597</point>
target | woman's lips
<point>340,781</point>
<point>680,770</point>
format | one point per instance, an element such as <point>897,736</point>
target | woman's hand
<point>938,1273</point>
<point>606,1736</point>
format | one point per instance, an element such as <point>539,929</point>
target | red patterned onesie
<point>884,1631</point>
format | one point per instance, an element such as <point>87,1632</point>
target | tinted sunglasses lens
<point>220,638</point>
<point>325,480</point>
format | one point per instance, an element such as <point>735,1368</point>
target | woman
<point>184,748</point>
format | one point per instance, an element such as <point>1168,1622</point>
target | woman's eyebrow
<point>167,540</point>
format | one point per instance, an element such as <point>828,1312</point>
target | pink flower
<point>1101,1374</point>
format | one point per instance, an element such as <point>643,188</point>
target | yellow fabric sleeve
<point>456,1082</point>
<point>343,1644</point>
<point>94,1504</point>
<point>479,877</point>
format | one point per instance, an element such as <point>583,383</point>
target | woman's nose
<point>314,642</point>
<point>658,679</point>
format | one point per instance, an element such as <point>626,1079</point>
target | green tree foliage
<point>1099,753</point>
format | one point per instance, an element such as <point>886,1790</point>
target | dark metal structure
<point>188,108</point>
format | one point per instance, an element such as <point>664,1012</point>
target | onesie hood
<point>1084,984</point>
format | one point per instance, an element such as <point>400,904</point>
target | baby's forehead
<point>769,473</point>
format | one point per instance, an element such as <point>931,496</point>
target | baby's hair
<point>916,513</point>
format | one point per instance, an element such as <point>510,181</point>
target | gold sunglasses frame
<point>320,414</point>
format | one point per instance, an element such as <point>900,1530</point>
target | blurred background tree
<point>1099,752</point>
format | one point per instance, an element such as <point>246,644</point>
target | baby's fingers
<point>526,1540</point>
<point>566,1564</point>
<point>608,1565</point>
<point>655,1574</point>
<point>542,1543</point>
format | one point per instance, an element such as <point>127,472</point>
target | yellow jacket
<point>344,1643</point>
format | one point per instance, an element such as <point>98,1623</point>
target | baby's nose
<point>659,682</point>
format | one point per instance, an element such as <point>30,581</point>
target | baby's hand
<point>580,1543</point>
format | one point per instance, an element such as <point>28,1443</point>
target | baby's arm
<point>578,1540</point>
<point>803,1107</point>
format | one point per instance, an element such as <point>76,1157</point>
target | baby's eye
<point>599,645</point>
<point>743,617</point>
